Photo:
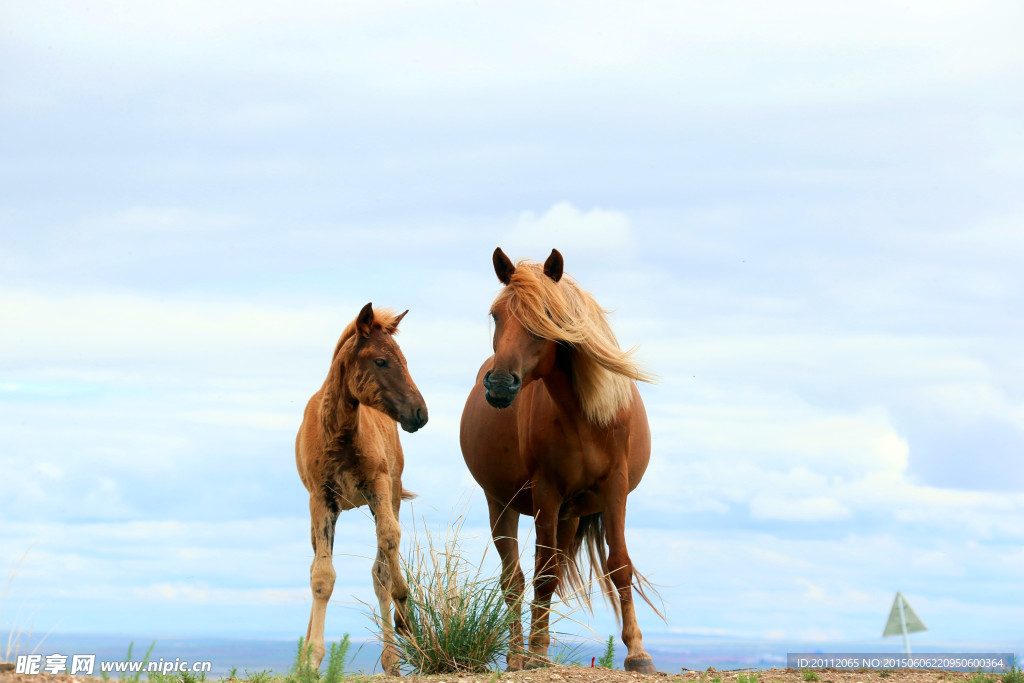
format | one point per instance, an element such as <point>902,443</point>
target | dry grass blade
<point>16,633</point>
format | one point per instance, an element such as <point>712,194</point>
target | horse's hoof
<point>514,664</point>
<point>642,664</point>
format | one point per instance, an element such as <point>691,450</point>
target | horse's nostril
<point>421,416</point>
<point>516,382</point>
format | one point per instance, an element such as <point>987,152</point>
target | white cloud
<point>201,593</point>
<point>566,228</point>
<point>78,328</point>
<point>812,509</point>
<point>668,50</point>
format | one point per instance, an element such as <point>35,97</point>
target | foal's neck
<point>346,416</point>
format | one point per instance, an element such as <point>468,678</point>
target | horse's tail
<point>590,534</point>
<point>407,494</point>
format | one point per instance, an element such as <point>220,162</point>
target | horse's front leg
<point>505,532</point>
<point>621,569</point>
<point>389,583</point>
<point>323,514</point>
<point>546,504</point>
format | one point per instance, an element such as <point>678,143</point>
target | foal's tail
<point>591,534</point>
<point>407,494</point>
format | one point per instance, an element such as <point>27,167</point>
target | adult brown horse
<point>555,428</point>
<point>348,455</point>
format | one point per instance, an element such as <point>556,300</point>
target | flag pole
<point>903,623</point>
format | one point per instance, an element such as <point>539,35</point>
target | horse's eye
<point>381,363</point>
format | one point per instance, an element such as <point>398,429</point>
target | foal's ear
<point>364,321</point>
<point>394,324</point>
<point>553,266</point>
<point>503,267</point>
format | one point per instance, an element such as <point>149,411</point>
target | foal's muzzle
<point>414,418</point>
<point>501,388</point>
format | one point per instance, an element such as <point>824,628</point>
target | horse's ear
<point>364,321</point>
<point>503,267</point>
<point>394,325</point>
<point>553,266</point>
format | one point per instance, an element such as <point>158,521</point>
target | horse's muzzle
<point>501,388</point>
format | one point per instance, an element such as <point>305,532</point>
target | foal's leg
<point>505,532</point>
<point>323,517</point>
<point>382,589</point>
<point>388,581</point>
<point>620,567</point>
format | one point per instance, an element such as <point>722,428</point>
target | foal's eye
<point>380,363</point>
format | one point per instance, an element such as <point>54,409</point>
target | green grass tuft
<point>264,676</point>
<point>809,675</point>
<point>189,677</point>
<point>336,655</point>
<point>458,619</point>
<point>982,677</point>
<point>607,660</point>
<point>1014,674</point>
<point>302,670</point>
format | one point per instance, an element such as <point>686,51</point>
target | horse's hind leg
<point>505,532</point>
<point>620,567</point>
<point>323,517</point>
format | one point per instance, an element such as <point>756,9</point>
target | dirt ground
<point>565,674</point>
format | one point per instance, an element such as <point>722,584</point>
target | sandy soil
<point>565,674</point>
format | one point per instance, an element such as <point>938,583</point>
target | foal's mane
<point>384,318</point>
<point>562,311</point>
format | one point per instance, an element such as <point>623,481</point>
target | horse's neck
<point>558,382</point>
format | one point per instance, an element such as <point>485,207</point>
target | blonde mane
<point>602,373</point>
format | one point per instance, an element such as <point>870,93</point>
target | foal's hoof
<point>401,619</point>
<point>389,661</point>
<point>642,664</point>
<point>535,661</point>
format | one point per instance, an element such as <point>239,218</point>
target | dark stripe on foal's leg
<point>331,501</point>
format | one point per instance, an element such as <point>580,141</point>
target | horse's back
<point>309,442</point>
<point>639,449</point>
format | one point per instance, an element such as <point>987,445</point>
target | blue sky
<point>808,216</point>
